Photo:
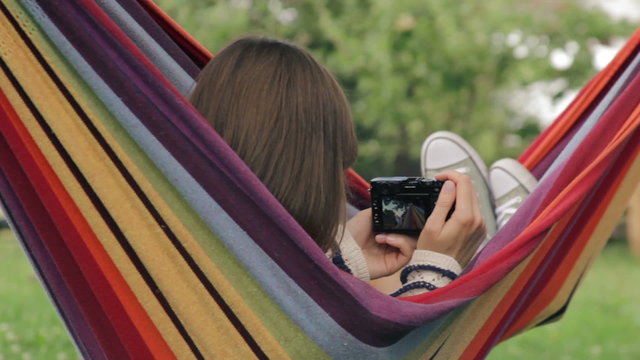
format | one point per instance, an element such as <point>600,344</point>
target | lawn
<point>29,326</point>
<point>603,321</point>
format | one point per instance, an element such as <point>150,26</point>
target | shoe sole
<point>462,143</point>
<point>517,171</point>
<point>488,208</point>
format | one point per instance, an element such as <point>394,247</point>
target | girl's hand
<point>460,236</point>
<point>385,254</point>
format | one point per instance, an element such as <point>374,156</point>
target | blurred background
<point>493,71</point>
<point>496,72</point>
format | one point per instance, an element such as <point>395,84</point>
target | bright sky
<point>536,99</point>
<point>618,9</point>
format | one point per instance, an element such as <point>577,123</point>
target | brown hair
<point>286,116</point>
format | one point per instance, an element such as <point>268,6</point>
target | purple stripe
<point>25,229</point>
<point>219,171</point>
<point>602,133</point>
<point>559,251</point>
<point>586,152</point>
<point>115,229</point>
<point>550,157</point>
<point>588,149</point>
<point>143,18</point>
<point>227,179</point>
<point>553,154</point>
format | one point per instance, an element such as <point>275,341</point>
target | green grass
<point>602,322</point>
<point>29,326</point>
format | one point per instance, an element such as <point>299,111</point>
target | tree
<point>412,67</point>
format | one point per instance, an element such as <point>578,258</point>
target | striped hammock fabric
<point>154,240</point>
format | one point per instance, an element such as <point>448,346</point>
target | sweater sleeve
<point>427,271</point>
<point>350,258</point>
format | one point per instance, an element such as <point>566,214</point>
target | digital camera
<point>402,204</point>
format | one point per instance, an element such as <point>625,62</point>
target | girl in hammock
<point>286,116</point>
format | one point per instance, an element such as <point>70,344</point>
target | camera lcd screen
<point>400,213</point>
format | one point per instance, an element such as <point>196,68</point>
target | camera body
<point>402,204</point>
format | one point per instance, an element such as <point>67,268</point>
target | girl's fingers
<point>465,196</point>
<point>443,205</point>
<point>477,210</point>
<point>405,244</point>
<point>478,219</point>
<point>474,204</point>
<point>454,237</point>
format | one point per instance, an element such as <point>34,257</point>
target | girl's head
<point>286,116</point>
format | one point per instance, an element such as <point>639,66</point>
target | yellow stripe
<point>468,323</point>
<point>597,241</point>
<point>50,102</point>
<point>194,307</point>
<point>187,296</point>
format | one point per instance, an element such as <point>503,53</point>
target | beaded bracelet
<point>409,269</point>
<point>414,285</point>
<point>339,262</point>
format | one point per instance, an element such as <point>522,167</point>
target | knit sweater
<point>426,271</point>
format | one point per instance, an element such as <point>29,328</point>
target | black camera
<point>402,204</point>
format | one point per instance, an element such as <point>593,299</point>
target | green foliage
<point>29,326</point>
<point>412,67</point>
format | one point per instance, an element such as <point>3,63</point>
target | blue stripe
<point>315,322</point>
<point>610,96</point>
<point>161,59</point>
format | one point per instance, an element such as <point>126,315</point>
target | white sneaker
<point>445,150</point>
<point>511,183</point>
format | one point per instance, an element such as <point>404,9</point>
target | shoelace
<point>506,210</point>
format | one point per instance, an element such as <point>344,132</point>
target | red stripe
<point>486,333</point>
<point>580,174</point>
<point>17,182</point>
<point>198,53</point>
<point>74,12</point>
<point>65,231</point>
<point>29,192</point>
<point>119,37</point>
<point>544,290</point>
<point>548,289</point>
<point>552,135</point>
<point>358,190</point>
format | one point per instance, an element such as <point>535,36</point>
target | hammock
<point>154,240</point>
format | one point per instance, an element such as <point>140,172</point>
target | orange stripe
<point>586,98</point>
<point>159,12</point>
<point>500,310</point>
<point>549,138</point>
<point>623,134</point>
<point>357,179</point>
<point>504,305</point>
<point>544,298</point>
<point>136,312</point>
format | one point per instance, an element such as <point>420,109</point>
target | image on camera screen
<point>401,214</point>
